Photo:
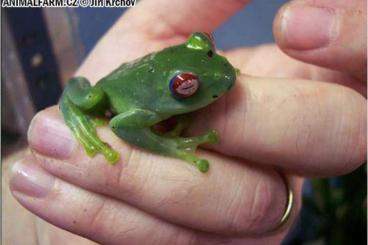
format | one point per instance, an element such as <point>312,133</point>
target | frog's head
<point>197,75</point>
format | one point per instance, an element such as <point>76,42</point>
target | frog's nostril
<point>214,96</point>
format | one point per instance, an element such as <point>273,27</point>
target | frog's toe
<point>90,150</point>
<point>202,165</point>
<point>112,156</point>
<point>213,137</point>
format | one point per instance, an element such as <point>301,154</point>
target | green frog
<point>140,95</point>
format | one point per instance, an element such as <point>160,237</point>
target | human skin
<point>278,116</point>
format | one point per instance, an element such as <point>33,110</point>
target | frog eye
<point>184,85</point>
<point>201,41</point>
<point>210,37</point>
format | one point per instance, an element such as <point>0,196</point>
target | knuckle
<point>135,174</point>
<point>353,131</point>
<point>97,214</point>
<point>261,211</point>
<point>97,217</point>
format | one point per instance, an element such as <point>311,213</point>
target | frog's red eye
<point>184,85</point>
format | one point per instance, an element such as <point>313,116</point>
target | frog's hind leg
<point>77,99</point>
<point>82,94</point>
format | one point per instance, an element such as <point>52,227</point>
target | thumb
<point>325,33</point>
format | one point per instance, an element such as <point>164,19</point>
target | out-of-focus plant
<point>336,210</point>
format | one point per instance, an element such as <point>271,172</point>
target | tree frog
<point>147,91</point>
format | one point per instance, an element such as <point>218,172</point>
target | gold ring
<point>288,208</point>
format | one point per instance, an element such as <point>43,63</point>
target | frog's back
<point>127,83</point>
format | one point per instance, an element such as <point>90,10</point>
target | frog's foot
<point>83,128</point>
<point>201,164</point>
<point>87,136</point>
<point>190,144</point>
<point>187,146</point>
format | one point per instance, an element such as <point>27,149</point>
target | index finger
<point>307,127</point>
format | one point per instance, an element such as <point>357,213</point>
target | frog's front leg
<point>190,143</point>
<point>135,125</point>
<point>78,98</point>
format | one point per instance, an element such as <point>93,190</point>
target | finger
<point>167,19</point>
<point>280,65</point>
<point>91,215</point>
<point>310,128</point>
<point>232,199</point>
<point>327,33</point>
<point>98,217</point>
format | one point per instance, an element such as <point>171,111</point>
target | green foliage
<point>341,205</point>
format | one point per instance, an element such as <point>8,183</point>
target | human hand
<point>301,127</point>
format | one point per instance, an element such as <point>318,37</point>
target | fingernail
<point>51,137</point>
<point>31,180</point>
<point>308,27</point>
